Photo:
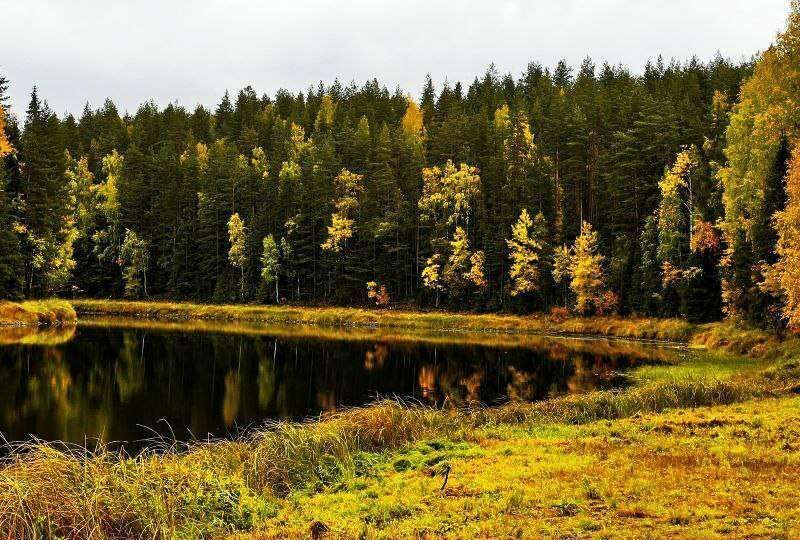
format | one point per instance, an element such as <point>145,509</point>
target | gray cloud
<point>191,51</point>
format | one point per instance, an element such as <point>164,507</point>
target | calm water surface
<point>126,381</point>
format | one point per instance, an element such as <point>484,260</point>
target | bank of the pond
<point>708,454</point>
<point>50,312</point>
<point>578,463</point>
<point>729,336</point>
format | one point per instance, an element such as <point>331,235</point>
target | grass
<point>641,328</point>
<point>374,470</point>
<point>719,472</point>
<point>637,328</point>
<point>729,336</point>
<point>51,312</point>
<point>708,448</point>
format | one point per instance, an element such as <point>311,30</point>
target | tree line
<point>591,189</point>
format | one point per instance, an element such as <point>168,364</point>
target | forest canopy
<point>660,193</point>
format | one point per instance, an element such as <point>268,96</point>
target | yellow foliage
<point>586,270</point>
<point>236,254</point>
<point>783,277</point>
<point>412,119</point>
<point>524,249</point>
<point>448,193</point>
<point>431,277</point>
<point>502,118</point>
<point>327,108</point>
<point>348,187</point>
<point>5,145</point>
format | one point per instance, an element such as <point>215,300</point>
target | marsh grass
<point>673,330</point>
<point>733,337</point>
<point>51,312</point>
<point>211,488</point>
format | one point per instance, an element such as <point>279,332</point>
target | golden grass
<point>730,336</point>
<point>37,313</point>
<point>230,486</point>
<point>723,472</point>
<point>627,464</point>
<point>637,328</point>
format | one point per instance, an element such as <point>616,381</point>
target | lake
<point>127,380</point>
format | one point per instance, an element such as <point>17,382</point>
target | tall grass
<point>37,313</point>
<point>638,328</point>
<point>218,487</point>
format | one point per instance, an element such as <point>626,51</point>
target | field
<point>719,472</point>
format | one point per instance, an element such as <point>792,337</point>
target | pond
<point>118,380</point>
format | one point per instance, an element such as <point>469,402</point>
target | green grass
<point>37,313</point>
<point>713,473</point>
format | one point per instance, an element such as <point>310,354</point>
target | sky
<point>191,51</point>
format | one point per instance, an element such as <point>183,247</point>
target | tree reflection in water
<point>108,381</point>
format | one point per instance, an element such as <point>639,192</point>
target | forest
<point>674,192</point>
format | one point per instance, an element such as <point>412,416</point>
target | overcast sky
<point>191,51</point>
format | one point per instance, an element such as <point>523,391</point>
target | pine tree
<point>11,260</point>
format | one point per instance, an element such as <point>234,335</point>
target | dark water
<point>124,384</point>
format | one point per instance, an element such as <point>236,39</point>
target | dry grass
<point>37,313</point>
<point>572,467</point>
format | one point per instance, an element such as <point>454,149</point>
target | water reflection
<point>110,380</point>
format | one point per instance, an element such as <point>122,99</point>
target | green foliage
<point>134,257</point>
<point>270,263</point>
<point>589,144</point>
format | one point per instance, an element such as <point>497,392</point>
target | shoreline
<point>640,328</point>
<point>37,313</point>
<point>728,336</point>
<point>344,469</point>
